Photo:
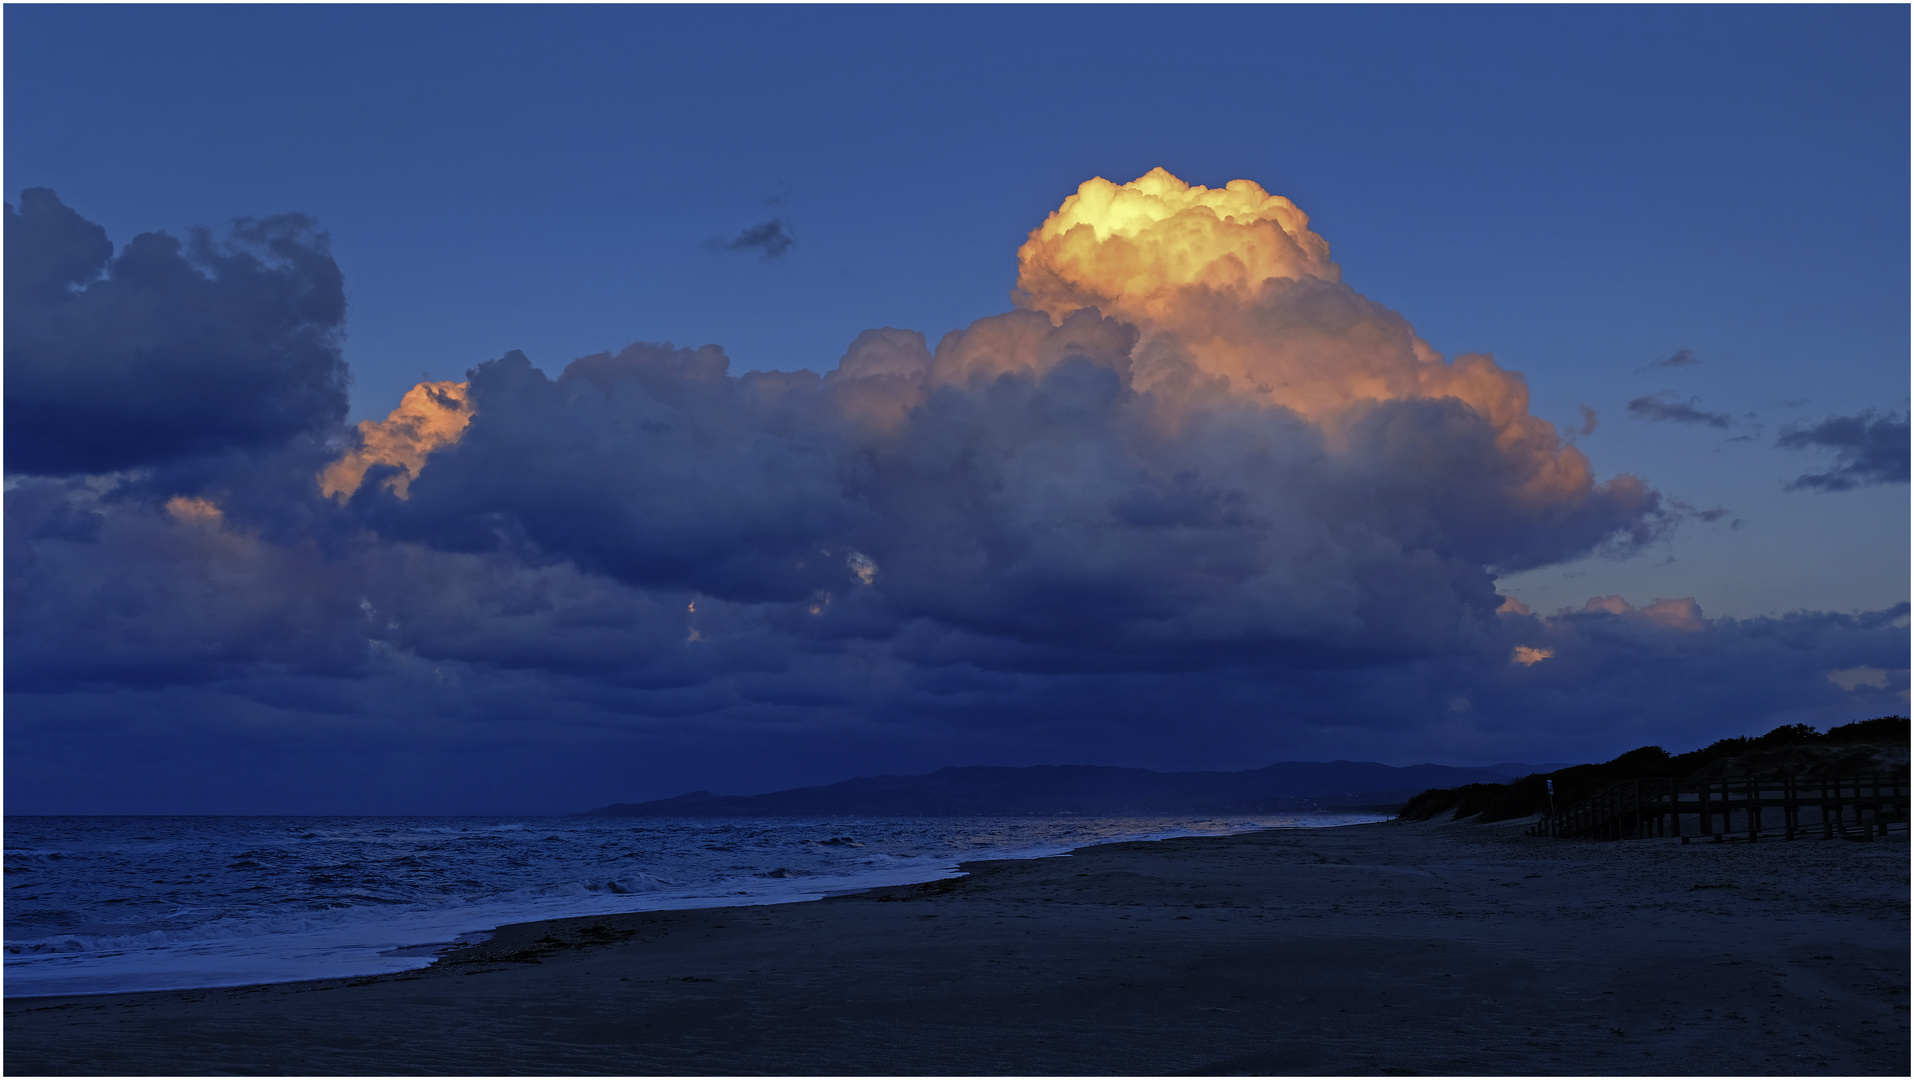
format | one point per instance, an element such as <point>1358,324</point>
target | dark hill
<point>1865,746</point>
<point>985,790</point>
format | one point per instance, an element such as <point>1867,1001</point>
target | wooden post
<point>1634,809</point>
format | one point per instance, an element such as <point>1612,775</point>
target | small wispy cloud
<point>1682,358</point>
<point>1868,449</point>
<point>1685,511</point>
<point>770,239</point>
<point>1663,407</point>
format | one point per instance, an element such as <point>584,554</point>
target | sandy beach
<point>1395,948</point>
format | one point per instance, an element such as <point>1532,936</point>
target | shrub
<point>1529,795</point>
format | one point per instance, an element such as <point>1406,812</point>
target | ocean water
<point>113,904</point>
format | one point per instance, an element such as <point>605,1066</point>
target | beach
<point>1392,948</point>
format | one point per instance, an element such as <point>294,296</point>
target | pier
<point>1859,807</point>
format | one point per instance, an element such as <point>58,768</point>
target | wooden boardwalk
<point>1854,807</point>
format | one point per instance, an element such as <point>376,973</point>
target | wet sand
<point>1375,949</point>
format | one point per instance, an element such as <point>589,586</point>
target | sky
<point>516,410</point>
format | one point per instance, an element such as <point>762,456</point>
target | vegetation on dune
<point>1863,746</point>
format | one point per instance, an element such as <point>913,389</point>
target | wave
<point>142,904</point>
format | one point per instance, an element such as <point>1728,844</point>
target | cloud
<point>1589,421</point>
<point>1869,449</point>
<point>169,350</point>
<point>1047,489</point>
<point>1678,510</point>
<point>431,415</point>
<point>654,466</point>
<point>107,591</point>
<point>1855,678</point>
<point>770,238</point>
<point>1681,358</point>
<point>1678,614</point>
<point>1017,488</point>
<point>1661,408</point>
<point>1194,502</point>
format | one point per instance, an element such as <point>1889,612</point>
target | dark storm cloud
<point>563,690</point>
<point>1868,449</point>
<point>769,238</point>
<point>654,467</point>
<point>1007,507</point>
<point>1041,513</point>
<point>169,350</point>
<point>113,591</point>
<point>1662,408</point>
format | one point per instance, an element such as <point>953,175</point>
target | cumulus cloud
<point>431,415</point>
<point>1188,462</point>
<point>1663,407</point>
<point>1868,449</point>
<point>1193,490</point>
<point>1233,292</point>
<point>170,349</point>
<point>1190,443</point>
<point>653,466</point>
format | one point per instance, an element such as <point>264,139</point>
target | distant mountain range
<point>989,791</point>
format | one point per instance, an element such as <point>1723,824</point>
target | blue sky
<point>1581,192</point>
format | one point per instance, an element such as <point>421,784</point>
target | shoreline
<point>409,947</point>
<point>1428,947</point>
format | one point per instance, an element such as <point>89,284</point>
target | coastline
<point>512,870</point>
<point>1428,948</point>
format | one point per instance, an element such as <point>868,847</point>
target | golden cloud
<point>1681,613</point>
<point>431,415</point>
<point>1128,250</point>
<point>188,508</point>
<point>1233,282</point>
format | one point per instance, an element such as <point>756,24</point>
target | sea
<point>97,905</point>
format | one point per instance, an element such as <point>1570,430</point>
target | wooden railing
<point>1857,807</point>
